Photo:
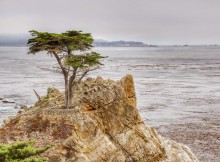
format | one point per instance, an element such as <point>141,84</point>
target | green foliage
<point>84,60</point>
<point>63,47</point>
<point>21,152</point>
<point>64,42</point>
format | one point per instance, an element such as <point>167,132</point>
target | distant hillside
<point>13,40</point>
<point>121,43</point>
<point>21,40</point>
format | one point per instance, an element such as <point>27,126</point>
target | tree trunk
<point>66,92</point>
<point>70,87</point>
<point>65,74</point>
<point>69,102</point>
<point>70,94</point>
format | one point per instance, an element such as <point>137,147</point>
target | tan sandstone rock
<point>103,126</point>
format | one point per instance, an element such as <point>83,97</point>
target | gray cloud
<point>151,21</point>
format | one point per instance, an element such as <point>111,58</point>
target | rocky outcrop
<point>104,125</point>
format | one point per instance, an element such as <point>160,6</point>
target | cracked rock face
<point>104,126</point>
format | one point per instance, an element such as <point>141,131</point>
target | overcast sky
<point>150,21</point>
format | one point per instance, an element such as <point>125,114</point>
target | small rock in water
<point>7,101</point>
<point>1,98</point>
<point>20,111</point>
<point>17,106</point>
<point>23,107</point>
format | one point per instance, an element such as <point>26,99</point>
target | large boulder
<point>104,125</point>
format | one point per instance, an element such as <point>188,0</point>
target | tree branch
<point>83,75</point>
<point>37,95</point>
<point>73,76</point>
<point>60,63</point>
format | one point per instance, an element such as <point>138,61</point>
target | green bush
<point>21,152</point>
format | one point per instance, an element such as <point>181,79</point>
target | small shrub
<point>21,152</point>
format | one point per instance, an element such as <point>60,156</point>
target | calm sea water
<point>171,82</point>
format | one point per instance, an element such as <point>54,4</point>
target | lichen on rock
<point>104,125</point>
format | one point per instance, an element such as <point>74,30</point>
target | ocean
<point>170,81</point>
<point>178,88</point>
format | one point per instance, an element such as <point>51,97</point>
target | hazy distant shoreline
<point>147,46</point>
<point>21,41</point>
